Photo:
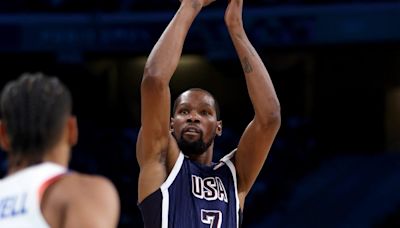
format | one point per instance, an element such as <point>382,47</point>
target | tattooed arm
<point>259,135</point>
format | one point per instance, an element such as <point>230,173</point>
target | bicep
<point>153,172</point>
<point>155,119</point>
<point>153,143</point>
<point>252,152</point>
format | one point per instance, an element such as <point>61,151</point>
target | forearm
<point>164,57</point>
<point>259,84</point>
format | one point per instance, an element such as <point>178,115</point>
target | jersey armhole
<point>42,190</point>
<point>43,187</point>
<point>228,156</point>
<point>174,172</point>
<point>227,159</point>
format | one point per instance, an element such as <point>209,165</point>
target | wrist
<point>233,22</point>
<point>235,26</point>
<point>192,6</point>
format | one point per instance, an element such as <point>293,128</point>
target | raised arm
<point>257,139</point>
<point>154,137</point>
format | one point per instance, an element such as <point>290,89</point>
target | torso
<point>194,195</point>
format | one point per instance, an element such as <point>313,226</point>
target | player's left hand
<point>233,13</point>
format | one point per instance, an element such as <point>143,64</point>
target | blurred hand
<point>233,13</point>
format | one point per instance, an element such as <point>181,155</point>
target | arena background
<point>335,65</point>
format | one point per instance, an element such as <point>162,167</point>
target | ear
<point>72,131</point>
<point>219,128</point>
<point>4,139</point>
<point>171,125</point>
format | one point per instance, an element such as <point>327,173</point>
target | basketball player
<point>179,185</point>
<point>37,130</point>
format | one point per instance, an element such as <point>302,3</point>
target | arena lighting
<point>193,70</point>
<point>195,66</point>
<point>191,60</point>
<point>186,61</point>
<point>140,61</point>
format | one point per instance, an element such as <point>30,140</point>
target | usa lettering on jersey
<point>13,206</point>
<point>209,188</point>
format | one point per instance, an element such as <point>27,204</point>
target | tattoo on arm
<point>247,67</point>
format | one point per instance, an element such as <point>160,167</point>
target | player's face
<point>195,123</point>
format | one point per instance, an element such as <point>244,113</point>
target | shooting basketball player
<point>179,185</point>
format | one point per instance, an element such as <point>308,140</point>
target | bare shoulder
<point>93,184</point>
<point>79,200</point>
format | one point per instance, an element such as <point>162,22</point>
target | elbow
<point>277,119</point>
<point>155,72</point>
<point>152,79</point>
<point>274,119</point>
<point>151,71</point>
<point>271,118</point>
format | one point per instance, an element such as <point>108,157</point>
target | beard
<point>197,147</point>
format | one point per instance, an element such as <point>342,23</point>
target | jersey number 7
<point>211,217</point>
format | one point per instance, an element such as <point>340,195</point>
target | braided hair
<point>34,109</point>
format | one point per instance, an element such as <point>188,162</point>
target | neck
<point>204,158</point>
<point>17,163</point>
<point>59,155</point>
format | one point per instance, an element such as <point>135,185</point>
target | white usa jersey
<point>21,192</point>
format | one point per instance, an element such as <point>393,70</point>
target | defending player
<point>37,130</point>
